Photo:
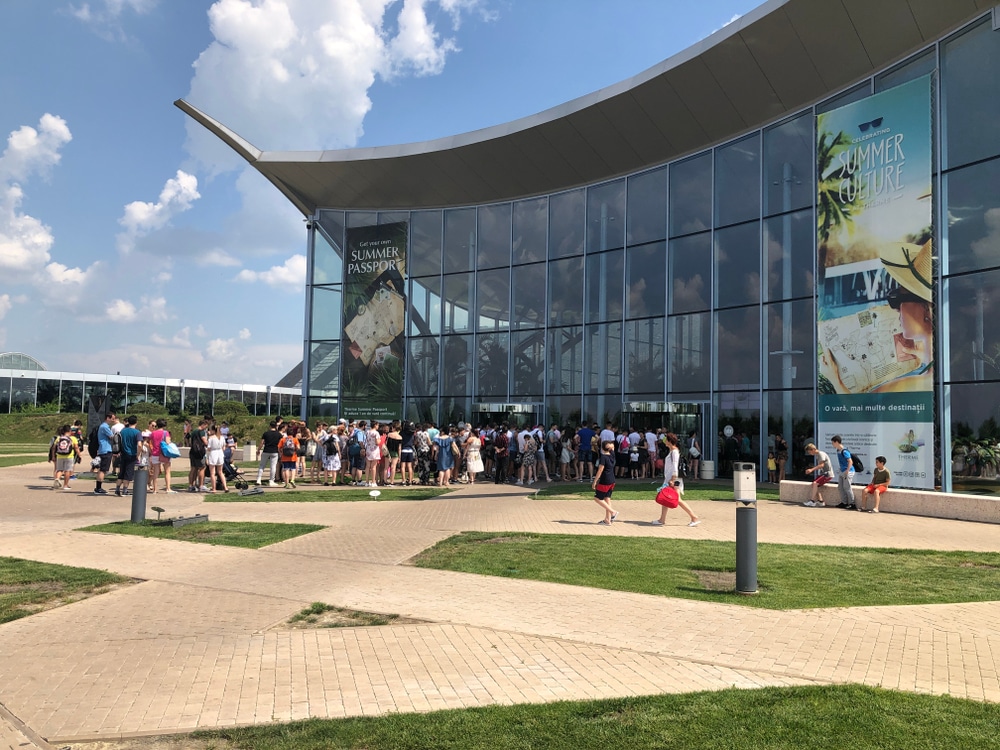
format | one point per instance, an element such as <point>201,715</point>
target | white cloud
<point>221,350</point>
<point>142,217</point>
<point>30,151</point>
<point>217,257</point>
<point>104,17</point>
<point>244,333</point>
<point>6,304</point>
<point>290,276</point>
<point>121,311</point>
<point>200,331</point>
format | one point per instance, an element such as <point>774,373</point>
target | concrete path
<point>194,644</point>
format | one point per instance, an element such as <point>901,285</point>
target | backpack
<point>288,447</point>
<point>197,449</point>
<point>64,445</point>
<point>858,466</point>
<point>93,443</point>
<point>116,442</point>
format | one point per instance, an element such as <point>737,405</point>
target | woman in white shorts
<point>215,458</point>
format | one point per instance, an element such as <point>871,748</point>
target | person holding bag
<point>669,495</point>
<point>694,454</point>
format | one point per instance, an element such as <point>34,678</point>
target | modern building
<point>26,383</point>
<point>726,242</point>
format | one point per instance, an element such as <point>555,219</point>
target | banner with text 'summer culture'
<point>875,281</point>
<point>374,318</point>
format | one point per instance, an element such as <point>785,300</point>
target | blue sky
<point>131,241</point>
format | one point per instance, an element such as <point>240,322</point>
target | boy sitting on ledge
<point>879,485</point>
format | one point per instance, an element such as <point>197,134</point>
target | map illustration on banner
<point>875,281</point>
<point>374,319</point>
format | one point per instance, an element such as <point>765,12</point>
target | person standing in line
<point>269,443</point>
<point>130,439</point>
<point>197,450</point>
<point>473,455</point>
<point>780,455</point>
<point>649,465</point>
<point>407,453</point>
<point>444,455</point>
<point>846,475</point>
<point>823,470</point>
<point>394,443</point>
<point>694,453</point>
<point>314,452</point>
<point>584,453</point>
<point>289,457</point>
<point>104,451</point>
<point>215,458</point>
<point>501,448</point>
<point>540,463</point>
<point>159,462</point>
<point>671,478</point>
<point>603,483</point>
<point>373,454</point>
<point>772,468</point>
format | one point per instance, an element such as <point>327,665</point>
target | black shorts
<point>105,459</point>
<point>603,491</point>
<point>197,462</point>
<point>126,471</point>
<point>406,456</point>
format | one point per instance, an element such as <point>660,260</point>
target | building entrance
<point>679,418</point>
<point>522,415</point>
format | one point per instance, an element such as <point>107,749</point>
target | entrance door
<point>521,415</point>
<point>679,418</point>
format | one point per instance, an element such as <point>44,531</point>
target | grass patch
<point>840,716</point>
<point>326,495</point>
<point>6,461</point>
<point>39,448</point>
<point>646,491</point>
<point>27,587</point>
<point>789,576</point>
<point>320,615</point>
<point>245,534</point>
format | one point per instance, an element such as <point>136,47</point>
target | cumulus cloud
<point>142,217</point>
<point>104,17</point>
<point>244,333</point>
<point>121,311</point>
<point>290,276</point>
<point>217,257</point>
<point>221,350</point>
<point>6,304</point>
<point>32,151</point>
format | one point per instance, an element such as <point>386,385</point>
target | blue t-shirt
<point>586,435</point>
<point>844,456</point>
<point>104,438</point>
<point>130,441</point>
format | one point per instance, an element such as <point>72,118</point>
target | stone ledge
<point>983,509</point>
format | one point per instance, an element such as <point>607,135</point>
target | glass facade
<point>691,282</point>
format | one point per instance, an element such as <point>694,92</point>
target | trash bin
<point>139,481</point>
<point>746,545</point>
<point>707,469</point>
<point>744,481</point>
<point>250,451</point>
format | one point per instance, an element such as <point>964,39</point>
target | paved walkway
<point>194,645</point>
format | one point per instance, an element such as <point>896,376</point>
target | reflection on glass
<point>494,236</point>
<point>71,398</point>
<point>22,393</point>
<point>565,410</point>
<point>528,362</point>
<point>529,295</point>
<point>425,306</point>
<point>48,392</point>
<point>493,299</point>
<point>644,347</point>
<point>530,229</point>
<point>647,280</point>
<point>604,358</point>
<point>790,414</point>
<point>492,357</point>
<point>974,309</point>
<point>737,265</point>
<point>328,261</point>
<point>361,219</point>
<point>910,70</point>
<point>972,198</point>
<point>690,261</point>
<point>566,212</point>
<point>566,291</point>
<point>459,240</point>
<point>971,99</point>
<point>565,357</point>
<point>422,368</point>
<point>737,181</point>
<point>647,207</point>
<point>605,286</point>
<point>790,358</point>
<point>789,241</point>
<point>856,94</point>
<point>457,303</point>
<point>602,408</point>
<point>788,165</point>
<point>691,195</point>
<point>738,347</point>
<point>327,306</point>
<point>458,367</point>
<point>690,354</point>
<point>424,258</point>
<point>739,410</point>
<point>324,369</point>
<point>606,217</point>
<point>5,395</point>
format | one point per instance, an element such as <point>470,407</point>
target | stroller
<point>233,476</point>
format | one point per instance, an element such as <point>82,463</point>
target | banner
<point>875,282</point>
<point>374,319</point>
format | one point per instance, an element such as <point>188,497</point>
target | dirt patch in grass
<point>505,540</point>
<point>716,580</point>
<point>319,615</point>
<point>58,598</point>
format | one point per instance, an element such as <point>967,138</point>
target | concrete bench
<point>984,509</point>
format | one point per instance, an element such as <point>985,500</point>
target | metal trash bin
<point>139,483</point>
<point>744,481</point>
<point>707,469</point>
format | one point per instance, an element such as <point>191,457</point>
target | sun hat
<point>910,266</point>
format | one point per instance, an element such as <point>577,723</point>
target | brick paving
<point>193,645</point>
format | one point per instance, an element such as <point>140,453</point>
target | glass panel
<point>691,195</point>
<point>91,388</point>
<point>605,286</point>
<point>459,240</point>
<point>422,411</point>
<point>155,394</point>
<point>564,410</point>
<point>332,223</point>
<point>494,236</point>
<point>606,217</point>
<point>422,369</point>
<point>604,358</point>
<point>566,224</point>
<point>737,181</point>
<point>455,409</point>
<point>530,228</point>
<point>855,94</point>
<point>392,217</point>
<point>22,393</point>
<point>324,370</point>
<point>974,309</point>
<point>910,70</point>
<point>566,291</point>
<point>327,306</point>
<point>528,353</point>
<point>788,165</point>
<point>791,359</point>
<point>602,408</point>
<point>737,265</point>
<point>425,307</point>
<point>975,413</point>
<point>116,397</point>
<point>741,411</point>
<point>328,262</point>
<point>790,241</point>
<point>493,299</point>
<point>529,296</point>
<point>47,394</point>
<point>71,399</point>
<point>4,395</point>
<point>690,277</point>
<point>457,303</point>
<point>690,353</point>
<point>493,365</point>
<point>972,197</point>
<point>456,377</point>
<point>644,356</point>
<point>970,96</point>
<point>738,362</point>
<point>647,207</point>
<point>647,281</point>
<point>362,219</point>
<point>565,357</point>
<point>323,408</point>
<point>424,258</point>
<point>790,414</point>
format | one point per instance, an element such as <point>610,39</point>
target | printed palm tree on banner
<point>833,211</point>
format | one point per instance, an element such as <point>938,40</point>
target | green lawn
<point>327,495</point>
<point>228,533</point>
<point>27,586</point>
<point>827,717</point>
<point>789,576</point>
<point>6,461</point>
<point>646,490</point>
<point>41,449</point>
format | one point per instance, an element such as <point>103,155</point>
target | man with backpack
<point>66,449</point>
<point>127,439</point>
<point>846,475</point>
<point>269,454</point>
<point>198,441</point>
<point>104,451</point>
<point>289,456</point>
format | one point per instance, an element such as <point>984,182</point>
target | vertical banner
<point>875,281</point>
<point>374,319</point>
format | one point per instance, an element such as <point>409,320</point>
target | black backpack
<point>64,445</point>
<point>116,442</point>
<point>858,466</point>
<point>93,443</point>
<point>197,449</point>
<point>288,447</point>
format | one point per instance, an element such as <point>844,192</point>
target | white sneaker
<point>518,482</point>
<point>273,484</point>
<point>203,488</point>
<point>695,523</point>
<point>57,484</point>
<point>657,522</point>
<point>809,504</point>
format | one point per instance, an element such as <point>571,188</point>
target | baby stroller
<point>233,476</point>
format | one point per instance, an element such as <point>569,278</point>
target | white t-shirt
<point>651,442</point>
<point>607,436</point>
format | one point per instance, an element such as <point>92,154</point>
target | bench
<point>981,508</point>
